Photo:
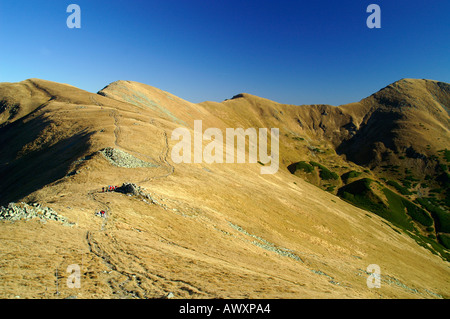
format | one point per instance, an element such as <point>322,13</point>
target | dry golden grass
<point>215,231</point>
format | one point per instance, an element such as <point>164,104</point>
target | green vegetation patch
<point>401,212</point>
<point>411,178</point>
<point>397,210</point>
<point>447,155</point>
<point>431,245</point>
<point>403,190</point>
<point>302,165</point>
<point>444,239</point>
<point>352,174</point>
<point>440,216</point>
<point>399,204</point>
<point>418,214</point>
<point>361,195</point>
<point>325,173</point>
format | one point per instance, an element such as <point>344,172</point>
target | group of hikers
<point>101,213</point>
<point>109,189</point>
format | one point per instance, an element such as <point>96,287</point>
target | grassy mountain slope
<point>211,230</point>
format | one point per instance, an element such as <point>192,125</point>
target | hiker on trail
<point>102,213</point>
<point>103,189</point>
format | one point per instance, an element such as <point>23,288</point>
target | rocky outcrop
<point>123,159</point>
<point>23,211</point>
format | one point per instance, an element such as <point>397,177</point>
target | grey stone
<point>14,212</point>
<point>123,159</point>
<point>170,295</point>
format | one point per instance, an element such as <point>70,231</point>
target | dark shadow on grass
<point>22,175</point>
<point>380,128</point>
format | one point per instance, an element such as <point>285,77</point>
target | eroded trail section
<point>128,276</point>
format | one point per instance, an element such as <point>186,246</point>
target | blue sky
<point>295,52</point>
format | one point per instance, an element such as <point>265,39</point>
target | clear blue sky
<point>296,52</point>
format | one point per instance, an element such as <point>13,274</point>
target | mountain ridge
<point>358,184</point>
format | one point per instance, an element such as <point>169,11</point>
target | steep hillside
<point>408,118</point>
<point>198,230</point>
<point>397,137</point>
